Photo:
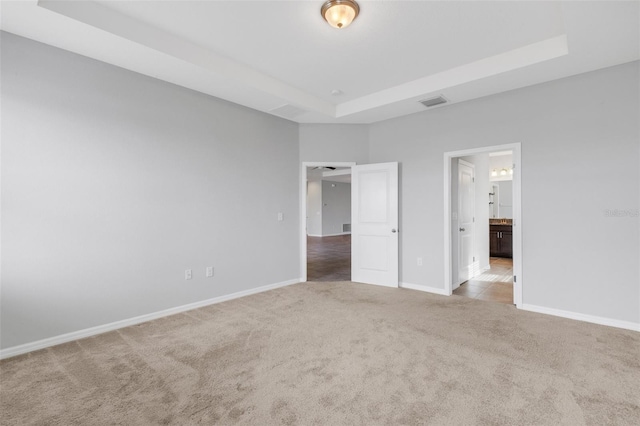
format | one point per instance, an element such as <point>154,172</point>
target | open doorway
<point>374,221</point>
<point>488,199</point>
<point>326,242</point>
<point>482,219</point>
<point>328,223</point>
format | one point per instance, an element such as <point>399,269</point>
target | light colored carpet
<point>334,354</point>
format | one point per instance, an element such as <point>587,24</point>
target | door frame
<point>518,285</point>
<point>303,207</point>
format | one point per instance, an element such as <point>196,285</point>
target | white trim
<point>517,214</point>
<point>88,332</point>
<point>330,235</point>
<point>517,225</point>
<point>468,164</point>
<point>457,284</point>
<point>448,262</point>
<point>303,208</point>
<point>627,325</point>
<point>425,288</point>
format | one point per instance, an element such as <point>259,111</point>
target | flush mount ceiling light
<point>340,13</point>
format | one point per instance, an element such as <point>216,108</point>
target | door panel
<point>374,252</point>
<point>374,224</point>
<point>373,196</point>
<point>466,213</point>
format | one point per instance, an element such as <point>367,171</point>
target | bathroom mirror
<point>501,200</point>
<point>494,201</point>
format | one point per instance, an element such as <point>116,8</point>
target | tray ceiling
<point>282,58</point>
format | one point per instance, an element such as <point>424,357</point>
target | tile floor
<point>495,284</point>
<point>329,258</point>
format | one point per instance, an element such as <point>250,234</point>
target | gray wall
<point>336,206</point>
<point>580,151</point>
<point>314,207</point>
<point>114,183</point>
<point>334,142</point>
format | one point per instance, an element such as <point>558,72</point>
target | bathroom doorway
<point>495,282</point>
<point>495,271</point>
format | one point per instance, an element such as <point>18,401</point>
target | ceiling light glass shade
<point>503,172</point>
<point>510,171</point>
<point>494,172</point>
<point>340,13</point>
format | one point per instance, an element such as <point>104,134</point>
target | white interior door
<point>374,224</point>
<point>466,214</point>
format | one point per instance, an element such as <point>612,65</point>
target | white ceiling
<point>339,174</point>
<point>281,57</point>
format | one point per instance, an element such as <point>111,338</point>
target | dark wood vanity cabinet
<point>500,241</point>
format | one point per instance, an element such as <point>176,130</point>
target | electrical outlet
<point>209,271</point>
<point>187,274</point>
<point>280,217</point>
<point>419,261</point>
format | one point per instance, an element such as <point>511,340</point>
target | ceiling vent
<point>434,101</point>
<point>287,111</point>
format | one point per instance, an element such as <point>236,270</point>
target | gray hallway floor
<point>329,258</point>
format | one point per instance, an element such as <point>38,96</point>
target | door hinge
<point>473,179</point>
<point>474,258</point>
<point>514,279</point>
<point>473,219</point>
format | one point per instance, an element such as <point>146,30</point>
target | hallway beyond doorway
<point>494,284</point>
<point>329,258</point>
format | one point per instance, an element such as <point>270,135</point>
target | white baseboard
<point>627,325</point>
<point>88,332</point>
<point>425,288</point>
<point>329,235</point>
